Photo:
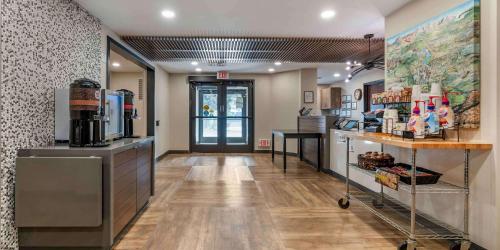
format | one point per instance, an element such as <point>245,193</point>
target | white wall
<point>309,82</point>
<point>178,110</point>
<point>277,101</point>
<point>162,137</point>
<point>285,104</point>
<point>357,83</point>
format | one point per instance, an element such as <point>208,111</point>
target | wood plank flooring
<point>243,201</point>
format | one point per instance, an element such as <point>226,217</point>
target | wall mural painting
<point>443,50</point>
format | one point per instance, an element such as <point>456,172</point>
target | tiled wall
<point>54,42</point>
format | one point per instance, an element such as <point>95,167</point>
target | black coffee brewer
<point>130,113</point>
<point>86,125</point>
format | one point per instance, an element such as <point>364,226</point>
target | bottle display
<point>416,122</point>
<point>431,117</point>
<point>446,115</point>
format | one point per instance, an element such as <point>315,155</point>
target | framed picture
<point>346,98</point>
<point>308,97</point>
<point>354,105</point>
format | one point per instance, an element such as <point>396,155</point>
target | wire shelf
<point>440,187</point>
<point>398,215</point>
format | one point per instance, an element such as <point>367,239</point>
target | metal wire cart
<point>397,214</point>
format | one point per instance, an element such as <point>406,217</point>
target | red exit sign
<point>223,75</point>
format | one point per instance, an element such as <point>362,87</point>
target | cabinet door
<point>336,98</point>
<point>124,189</point>
<point>325,98</point>
<point>144,165</point>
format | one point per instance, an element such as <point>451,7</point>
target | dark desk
<point>296,134</point>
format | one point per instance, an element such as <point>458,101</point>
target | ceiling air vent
<point>217,63</point>
<point>141,89</point>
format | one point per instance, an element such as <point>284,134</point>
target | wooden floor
<point>243,201</point>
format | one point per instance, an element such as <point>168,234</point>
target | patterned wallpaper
<point>45,45</point>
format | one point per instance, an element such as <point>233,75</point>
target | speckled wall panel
<point>45,45</point>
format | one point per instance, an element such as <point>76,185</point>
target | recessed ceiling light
<point>348,68</point>
<point>270,70</point>
<point>116,64</point>
<point>336,75</point>
<point>168,14</point>
<point>327,14</point>
<point>194,63</point>
<point>278,63</point>
<point>198,69</point>
<point>346,80</point>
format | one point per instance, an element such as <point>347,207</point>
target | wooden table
<point>296,134</point>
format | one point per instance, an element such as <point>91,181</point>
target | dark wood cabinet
<point>321,124</point>
<point>131,184</point>
<point>331,98</point>
<point>144,156</point>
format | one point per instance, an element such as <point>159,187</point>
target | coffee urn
<point>130,113</point>
<point>86,123</point>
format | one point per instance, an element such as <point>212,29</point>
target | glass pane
<point>237,131</point>
<point>206,101</point>
<point>237,101</point>
<point>206,131</point>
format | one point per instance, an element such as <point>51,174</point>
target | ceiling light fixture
<point>327,14</point>
<point>194,63</point>
<point>278,63</point>
<point>372,63</point>
<point>198,69</point>
<point>336,75</point>
<point>168,14</point>
<point>115,64</point>
<point>270,70</point>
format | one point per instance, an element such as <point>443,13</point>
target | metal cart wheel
<point>344,203</point>
<point>406,246</point>
<point>460,245</point>
<point>377,204</point>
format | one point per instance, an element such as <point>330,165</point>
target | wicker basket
<point>372,161</point>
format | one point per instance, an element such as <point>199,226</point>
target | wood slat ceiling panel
<point>255,50</point>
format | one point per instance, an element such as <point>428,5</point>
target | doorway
<point>121,60</point>
<point>221,115</point>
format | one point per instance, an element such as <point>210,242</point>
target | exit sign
<point>223,75</point>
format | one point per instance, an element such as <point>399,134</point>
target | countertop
<point>114,147</point>
<point>397,141</point>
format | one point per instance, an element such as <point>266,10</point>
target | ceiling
<point>125,64</point>
<point>250,18</point>
<point>298,19</point>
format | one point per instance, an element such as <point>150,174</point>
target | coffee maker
<point>86,119</point>
<point>130,113</point>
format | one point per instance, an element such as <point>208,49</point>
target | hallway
<point>243,201</point>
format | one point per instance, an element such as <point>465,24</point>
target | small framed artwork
<point>308,97</point>
<point>354,105</point>
<point>346,98</point>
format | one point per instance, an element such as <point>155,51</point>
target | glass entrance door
<point>222,116</point>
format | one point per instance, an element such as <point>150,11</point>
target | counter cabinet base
<point>122,163</point>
